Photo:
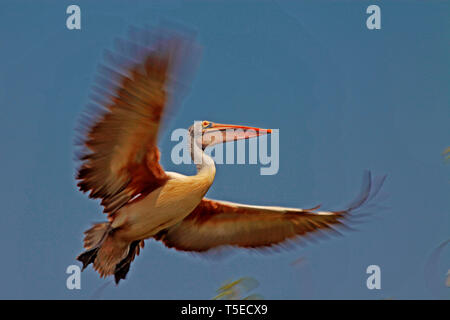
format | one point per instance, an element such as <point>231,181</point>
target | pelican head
<point>208,133</point>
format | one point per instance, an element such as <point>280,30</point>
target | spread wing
<point>120,158</point>
<point>218,223</point>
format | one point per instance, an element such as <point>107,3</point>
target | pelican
<point>119,164</point>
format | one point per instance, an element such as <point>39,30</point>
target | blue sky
<point>345,99</point>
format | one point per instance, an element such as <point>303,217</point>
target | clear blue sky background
<point>344,98</point>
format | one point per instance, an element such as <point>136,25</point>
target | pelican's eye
<point>206,124</point>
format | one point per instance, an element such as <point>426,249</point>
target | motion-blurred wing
<point>218,223</point>
<point>120,158</point>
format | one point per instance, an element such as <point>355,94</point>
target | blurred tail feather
<point>108,253</point>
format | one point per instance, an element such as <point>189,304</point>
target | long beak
<point>235,132</point>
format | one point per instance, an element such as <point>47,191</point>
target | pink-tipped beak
<point>236,132</point>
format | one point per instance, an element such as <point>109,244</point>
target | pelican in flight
<point>120,165</point>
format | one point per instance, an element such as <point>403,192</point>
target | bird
<point>137,86</point>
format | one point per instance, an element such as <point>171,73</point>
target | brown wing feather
<point>217,223</point>
<point>120,158</point>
